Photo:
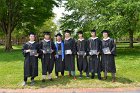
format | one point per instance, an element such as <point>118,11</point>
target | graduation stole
<point>29,45</point>
<point>79,45</point>
<point>62,49</point>
<point>90,43</point>
<point>46,43</point>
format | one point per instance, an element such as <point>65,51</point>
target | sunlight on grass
<point>127,62</point>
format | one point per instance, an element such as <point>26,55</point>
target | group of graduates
<point>93,55</point>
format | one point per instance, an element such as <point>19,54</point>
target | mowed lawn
<point>127,62</point>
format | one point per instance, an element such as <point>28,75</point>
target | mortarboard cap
<point>58,34</point>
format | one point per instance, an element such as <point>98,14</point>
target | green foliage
<point>25,14</point>
<point>119,16</point>
<point>48,25</point>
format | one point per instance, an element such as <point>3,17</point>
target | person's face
<point>47,37</point>
<point>93,34</point>
<point>67,35</point>
<point>58,38</point>
<point>32,37</point>
<point>80,35</point>
<point>105,35</point>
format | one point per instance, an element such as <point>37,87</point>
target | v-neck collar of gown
<point>94,38</point>
<point>46,40</point>
<point>81,39</point>
<point>67,38</point>
<point>31,42</point>
<point>105,39</point>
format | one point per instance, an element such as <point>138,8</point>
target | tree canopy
<point>119,16</point>
<point>23,14</point>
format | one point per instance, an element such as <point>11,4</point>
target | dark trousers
<point>25,78</point>
<point>98,73</point>
<point>87,73</point>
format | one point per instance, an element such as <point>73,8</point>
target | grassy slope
<point>127,61</point>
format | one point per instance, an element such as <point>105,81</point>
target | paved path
<point>79,90</point>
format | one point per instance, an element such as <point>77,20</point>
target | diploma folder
<point>59,52</point>
<point>48,51</point>
<point>81,53</point>
<point>106,50</point>
<point>68,52</point>
<point>93,52</point>
<point>33,52</point>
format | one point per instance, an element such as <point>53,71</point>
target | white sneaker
<point>56,76</point>
<point>24,83</point>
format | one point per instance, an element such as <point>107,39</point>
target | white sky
<point>58,13</point>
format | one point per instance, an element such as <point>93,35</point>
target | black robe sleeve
<point>113,50</point>
<point>24,48</point>
<point>88,46</point>
<point>76,43</point>
<point>73,47</point>
<point>100,46</point>
<point>40,49</point>
<point>53,47</point>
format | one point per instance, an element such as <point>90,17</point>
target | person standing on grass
<point>108,55</point>
<point>59,63</point>
<point>30,51</point>
<point>81,48</point>
<point>70,51</point>
<point>94,47</point>
<point>47,48</point>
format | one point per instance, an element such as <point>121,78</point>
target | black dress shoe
<point>51,79</point>
<point>100,78</point>
<point>43,80</point>
<point>80,76</point>
<point>32,83</point>
<point>105,78</point>
<point>92,77</point>
<point>87,76</point>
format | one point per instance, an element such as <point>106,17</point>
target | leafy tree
<point>49,26</point>
<point>119,16</point>
<point>23,14</point>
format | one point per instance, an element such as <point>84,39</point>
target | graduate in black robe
<point>70,51</point>
<point>108,55</point>
<point>47,48</point>
<point>30,51</point>
<point>94,47</point>
<point>81,48</point>
<point>60,53</point>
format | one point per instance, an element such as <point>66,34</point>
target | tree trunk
<point>8,43</point>
<point>131,39</point>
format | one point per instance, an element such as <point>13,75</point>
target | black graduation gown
<point>59,63</point>
<point>30,62</point>
<point>82,63</point>
<point>70,58</point>
<point>48,58</point>
<point>94,60</point>
<point>108,61</point>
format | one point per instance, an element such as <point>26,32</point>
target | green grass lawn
<point>127,62</point>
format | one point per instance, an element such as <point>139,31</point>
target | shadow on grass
<point>14,55</point>
<point>119,80</point>
<point>109,79</point>
<point>128,52</point>
<point>60,81</point>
